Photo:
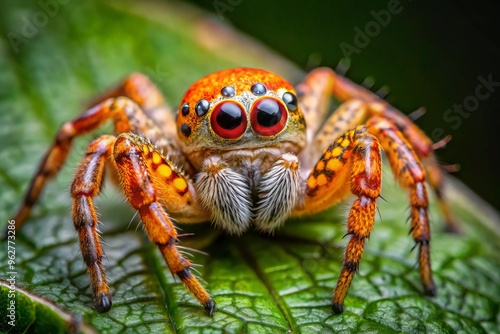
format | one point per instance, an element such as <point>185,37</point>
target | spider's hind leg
<point>87,185</point>
<point>410,174</point>
<point>126,115</point>
<point>412,134</point>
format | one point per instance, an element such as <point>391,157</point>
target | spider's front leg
<point>154,186</point>
<point>150,183</point>
<point>351,165</point>
<point>354,159</point>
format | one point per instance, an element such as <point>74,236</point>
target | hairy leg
<point>149,179</point>
<point>86,185</point>
<point>410,174</point>
<point>352,164</point>
<point>322,83</point>
<point>348,115</point>
<point>126,115</point>
<point>140,89</point>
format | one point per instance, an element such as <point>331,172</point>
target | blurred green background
<point>429,54</point>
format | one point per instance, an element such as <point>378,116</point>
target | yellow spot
<point>145,149</point>
<point>320,165</point>
<point>337,151</point>
<point>164,171</point>
<point>311,182</point>
<point>334,164</point>
<point>156,158</point>
<point>328,155</point>
<point>180,184</point>
<point>346,142</point>
<point>321,180</point>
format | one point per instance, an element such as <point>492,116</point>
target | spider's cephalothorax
<point>241,130</point>
<point>240,154</point>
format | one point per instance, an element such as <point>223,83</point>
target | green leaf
<point>260,283</point>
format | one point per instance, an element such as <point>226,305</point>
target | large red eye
<point>228,120</point>
<point>268,116</point>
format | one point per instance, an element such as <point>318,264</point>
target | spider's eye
<point>202,107</point>
<point>290,101</point>
<point>258,89</point>
<point>228,120</point>
<point>268,116</point>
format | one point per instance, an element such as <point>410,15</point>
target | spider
<point>239,154</point>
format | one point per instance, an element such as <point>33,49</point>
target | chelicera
<point>246,151</point>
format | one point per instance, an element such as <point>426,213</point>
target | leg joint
<point>351,266</point>
<point>184,274</point>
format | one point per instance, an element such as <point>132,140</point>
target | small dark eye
<point>228,91</point>
<point>186,130</point>
<point>202,107</point>
<point>185,109</point>
<point>258,89</point>
<point>290,101</point>
<point>228,120</point>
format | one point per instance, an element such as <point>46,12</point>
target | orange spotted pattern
<point>241,79</point>
<point>351,165</point>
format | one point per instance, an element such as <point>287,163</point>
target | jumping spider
<point>239,154</point>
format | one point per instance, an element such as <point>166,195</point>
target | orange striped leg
<point>323,82</point>
<point>328,82</point>
<point>435,179</point>
<point>146,177</point>
<point>344,90</point>
<point>422,146</point>
<point>314,96</point>
<point>136,87</point>
<point>348,115</point>
<point>142,91</point>
<point>410,174</point>
<point>127,116</point>
<point>86,185</point>
<point>354,162</point>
